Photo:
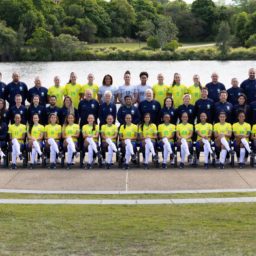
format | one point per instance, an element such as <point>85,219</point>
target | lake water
<point>47,70</point>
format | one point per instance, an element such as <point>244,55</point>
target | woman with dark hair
<point>3,136</point>
<point>169,109</point>
<point>4,111</point>
<point>68,108</point>
<point>242,106</point>
<point>107,85</point>
<point>222,133</point>
<point>177,90</point>
<point>148,134</point>
<point>36,108</point>
<point>35,139</point>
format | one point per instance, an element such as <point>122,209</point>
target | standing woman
<point>195,89</point>
<point>242,132</point>
<point>184,133</point>
<point>109,135</point>
<point>107,108</point>
<point>73,89</point>
<point>90,86</point>
<point>242,106</point>
<point>128,137</point>
<point>35,139</point>
<point>148,135</point>
<point>4,111</point>
<point>17,132</point>
<point>58,91</point>
<point>169,109</point>
<point>52,137</point>
<point>91,138</point>
<point>177,90</point>
<point>160,90</point>
<point>107,85</point>
<point>68,108</point>
<point>3,137</point>
<point>187,108</point>
<point>222,134</point>
<point>204,134</point>
<point>166,133</point>
<point>70,134</point>
<point>36,108</point>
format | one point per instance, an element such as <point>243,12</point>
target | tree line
<point>49,30</point>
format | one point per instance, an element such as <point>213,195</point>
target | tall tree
<point>223,38</point>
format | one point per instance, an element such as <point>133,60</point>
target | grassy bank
<point>128,230</point>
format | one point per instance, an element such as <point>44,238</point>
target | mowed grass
<point>126,196</point>
<point>128,230</point>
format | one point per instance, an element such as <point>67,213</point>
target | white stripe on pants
<point>15,150</point>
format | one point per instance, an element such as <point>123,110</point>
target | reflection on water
<point>47,70</point>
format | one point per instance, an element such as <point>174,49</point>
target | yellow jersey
<point>37,130</point>
<point>241,129</point>
<point>87,131</point>
<point>52,131</point>
<point>94,88</point>
<point>222,128</point>
<point>148,130</point>
<point>129,131</point>
<point>58,92</point>
<point>204,129</point>
<point>73,91</point>
<point>160,92</point>
<point>109,130</point>
<point>71,131</point>
<point>17,131</point>
<point>177,92</point>
<point>166,131</point>
<point>195,93</point>
<point>184,130</point>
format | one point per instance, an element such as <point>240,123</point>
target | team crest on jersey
<point>153,107</point>
<point>3,89</point>
<point>42,93</point>
<point>172,113</point>
<point>21,89</point>
<point>132,111</point>
<point>39,112</point>
<point>208,106</point>
<point>21,112</point>
<point>190,110</point>
<point>228,108</point>
<point>218,90</point>
<point>92,105</point>
<point>110,109</point>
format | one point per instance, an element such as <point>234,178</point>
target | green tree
<point>8,42</point>
<point>223,38</point>
<point>122,16</point>
<point>240,22</point>
<point>251,41</point>
<point>206,11</point>
<point>153,42</point>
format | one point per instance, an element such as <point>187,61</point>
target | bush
<point>171,46</point>
<point>251,41</point>
<point>153,43</point>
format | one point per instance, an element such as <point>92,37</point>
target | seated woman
<point>184,133</point>
<point>35,139</point>
<point>17,132</point>
<point>52,137</point>
<point>3,137</point>
<point>222,134</point>
<point>166,133</point>
<point>242,132</point>
<point>128,138</point>
<point>70,134</point>
<point>147,135</point>
<point>91,137</point>
<point>109,135</point>
<point>204,134</point>
<point>67,109</point>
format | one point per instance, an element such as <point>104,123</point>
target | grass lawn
<point>128,230</point>
<point>125,196</point>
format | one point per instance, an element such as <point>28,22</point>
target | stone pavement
<point>127,181</point>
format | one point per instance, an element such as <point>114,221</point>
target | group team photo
<point>127,125</point>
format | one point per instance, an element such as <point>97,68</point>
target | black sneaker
<point>69,166</point>
<point>241,165</point>
<point>89,166</point>
<point>155,158</point>
<point>60,155</point>
<point>206,166</point>
<point>182,165</point>
<point>108,166</point>
<point>164,166</point>
<point>125,166</point>
<point>145,166</point>
<point>221,166</point>
<point>31,166</point>
<point>52,166</point>
<point>13,166</point>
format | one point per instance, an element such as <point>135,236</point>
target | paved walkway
<point>130,201</point>
<point>132,181</point>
